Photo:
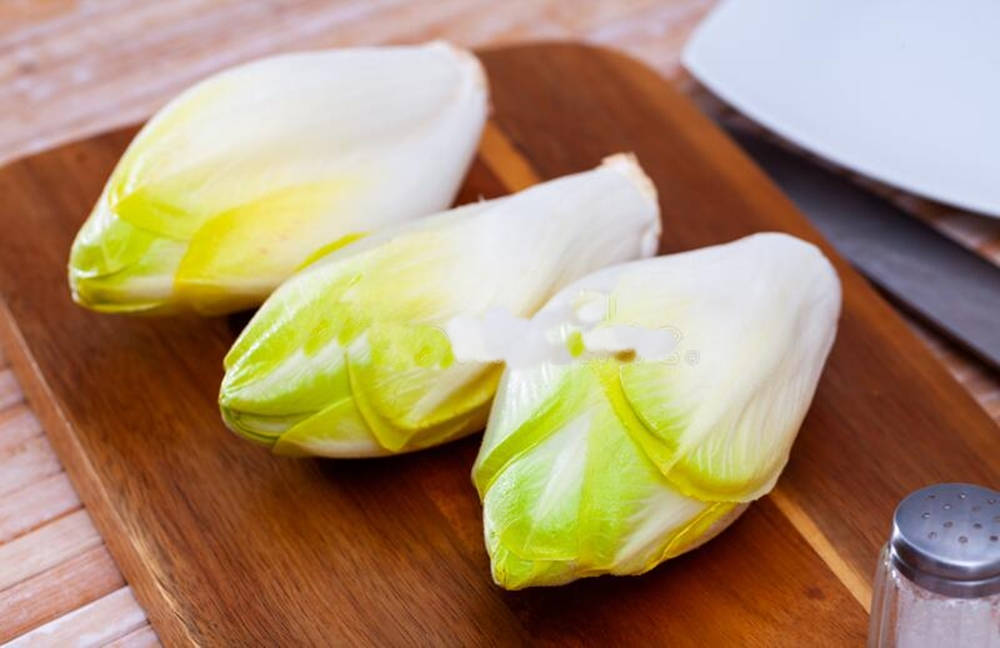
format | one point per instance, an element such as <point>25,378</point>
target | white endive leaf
<point>688,378</point>
<point>247,175</point>
<point>353,356</point>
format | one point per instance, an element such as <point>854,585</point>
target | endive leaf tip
<point>789,240</point>
<point>469,62</point>
<point>823,265</point>
<point>834,290</point>
<point>628,165</point>
<point>80,291</point>
<point>90,293</point>
<point>463,54</point>
<point>232,419</point>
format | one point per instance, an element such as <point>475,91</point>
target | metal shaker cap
<point>946,539</point>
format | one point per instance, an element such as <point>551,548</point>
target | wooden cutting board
<point>224,543</point>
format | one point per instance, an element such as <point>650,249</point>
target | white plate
<point>904,91</point>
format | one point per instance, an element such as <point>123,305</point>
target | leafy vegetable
<point>248,174</point>
<point>356,355</point>
<point>670,401</point>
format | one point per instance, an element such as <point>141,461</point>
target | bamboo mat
<point>69,69</point>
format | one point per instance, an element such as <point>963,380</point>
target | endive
<point>351,357</point>
<point>672,401</point>
<point>247,175</point>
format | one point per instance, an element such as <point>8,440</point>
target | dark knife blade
<point>955,290</point>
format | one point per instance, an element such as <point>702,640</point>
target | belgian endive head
<point>353,355</point>
<point>670,400</point>
<point>244,177</point>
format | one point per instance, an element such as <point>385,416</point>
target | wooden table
<point>70,69</point>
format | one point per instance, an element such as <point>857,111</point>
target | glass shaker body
<point>938,577</point>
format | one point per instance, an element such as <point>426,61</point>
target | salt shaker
<point>938,578</point>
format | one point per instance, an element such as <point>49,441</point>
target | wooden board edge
<point>127,555</point>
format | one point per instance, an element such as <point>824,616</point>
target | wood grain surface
<point>219,539</point>
<point>70,68</point>
<point>53,565</point>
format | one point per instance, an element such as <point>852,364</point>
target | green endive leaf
<point>243,178</point>
<point>567,492</point>
<point>353,355</point>
<point>670,397</point>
